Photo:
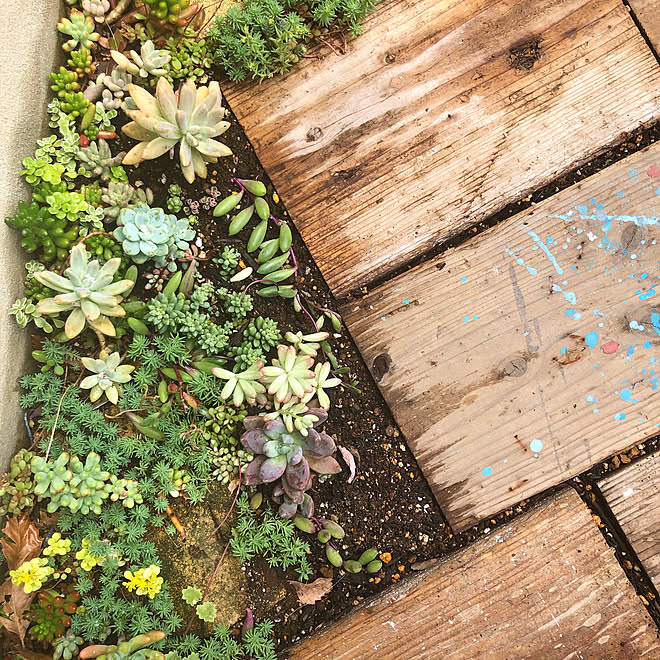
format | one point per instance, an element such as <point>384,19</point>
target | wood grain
<point>545,586</point>
<point>633,494</point>
<point>647,13</point>
<point>438,116</point>
<point>485,353</point>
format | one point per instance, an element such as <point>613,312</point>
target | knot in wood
<point>314,134</point>
<point>380,366</point>
<point>514,367</point>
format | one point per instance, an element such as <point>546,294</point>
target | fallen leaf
<point>25,545</point>
<point>350,461</point>
<point>308,594</point>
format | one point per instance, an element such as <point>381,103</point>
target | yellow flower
<point>87,560</point>
<point>32,574</point>
<point>144,581</point>
<point>57,545</point>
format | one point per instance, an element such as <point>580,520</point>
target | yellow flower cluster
<point>32,574</point>
<point>87,560</point>
<point>144,581</point>
<point>57,545</point>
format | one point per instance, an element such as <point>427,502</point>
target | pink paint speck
<point>654,171</point>
<point>610,347</point>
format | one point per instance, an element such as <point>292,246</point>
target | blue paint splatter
<point>543,247</point>
<point>636,326</point>
<point>591,398</point>
<point>631,349</point>
<point>406,302</point>
<point>591,339</point>
<point>626,395</point>
<point>619,416</point>
<point>463,279</point>
<point>569,312</point>
<point>563,350</point>
<point>647,344</point>
<point>536,445</point>
<point>466,318</point>
<point>487,471</point>
<point>569,295</point>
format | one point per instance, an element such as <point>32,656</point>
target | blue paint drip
<point>487,471</point>
<point>536,445</point>
<point>619,416</point>
<point>626,395</point>
<point>543,247</point>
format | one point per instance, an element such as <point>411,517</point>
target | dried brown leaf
<point>308,594</point>
<point>350,461</point>
<point>25,544</point>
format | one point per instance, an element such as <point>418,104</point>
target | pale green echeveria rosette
<point>192,118</point>
<point>107,377</point>
<point>87,290</point>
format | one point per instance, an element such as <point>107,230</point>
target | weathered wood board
<point>648,15</point>
<point>545,586</point>
<point>530,353</point>
<point>441,113</point>
<point>633,494</point>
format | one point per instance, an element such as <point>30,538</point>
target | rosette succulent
<point>81,30</point>
<point>150,233</point>
<point>192,118</point>
<point>97,159</point>
<point>149,61</point>
<point>289,457</point>
<point>114,87</point>
<point>97,9</point>
<point>289,374</point>
<point>108,376</point>
<point>87,290</point>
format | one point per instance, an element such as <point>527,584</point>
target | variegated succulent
<point>192,119</point>
<point>289,375</point>
<point>87,290</point>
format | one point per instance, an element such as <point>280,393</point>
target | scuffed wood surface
<point>545,586</point>
<point>438,116</point>
<point>633,494</point>
<point>648,15</point>
<point>485,353</point>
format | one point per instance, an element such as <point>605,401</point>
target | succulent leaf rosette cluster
<point>288,458</point>
<point>86,289</point>
<point>107,377</point>
<point>150,233</point>
<point>192,118</point>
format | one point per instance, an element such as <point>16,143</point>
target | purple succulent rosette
<point>289,458</point>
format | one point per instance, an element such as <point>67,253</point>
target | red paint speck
<point>610,347</point>
<point>654,171</point>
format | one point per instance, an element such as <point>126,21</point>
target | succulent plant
<point>81,30</point>
<point>243,386</point>
<point>97,9</point>
<point>68,482</point>
<point>289,375</point>
<point>107,377</point>
<point>25,311</point>
<point>88,290</point>
<point>150,233</point>
<point>67,646</point>
<point>42,231</point>
<point>148,62</point>
<point>119,195</point>
<point>51,613</point>
<point>287,456</point>
<point>37,170</point>
<point>130,650</point>
<point>115,84</point>
<point>16,487</point>
<point>98,159</point>
<point>74,104</point>
<point>192,120</point>
<point>320,383</point>
<point>66,205</point>
<point>82,62</point>
<point>64,81</point>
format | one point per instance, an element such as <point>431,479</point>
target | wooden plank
<point>438,116</point>
<point>647,13</point>
<point>529,353</point>
<point>545,586</point>
<point>634,497</point>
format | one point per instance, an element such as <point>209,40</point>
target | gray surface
<point>29,49</point>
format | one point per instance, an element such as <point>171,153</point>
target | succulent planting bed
<point>209,471</point>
